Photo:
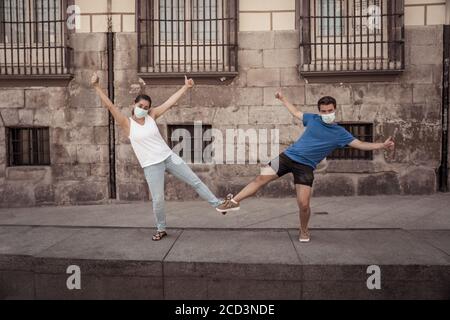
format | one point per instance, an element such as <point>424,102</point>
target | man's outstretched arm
<point>369,146</point>
<point>292,109</point>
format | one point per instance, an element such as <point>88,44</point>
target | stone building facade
<point>407,107</point>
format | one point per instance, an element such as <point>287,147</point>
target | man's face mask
<point>139,112</point>
<point>328,118</point>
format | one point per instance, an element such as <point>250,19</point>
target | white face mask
<point>139,112</point>
<point>328,118</point>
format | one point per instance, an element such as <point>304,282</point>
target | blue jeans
<point>154,174</point>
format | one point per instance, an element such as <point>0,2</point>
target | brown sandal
<point>159,235</point>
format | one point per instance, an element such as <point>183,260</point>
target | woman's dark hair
<point>143,97</point>
<point>140,98</point>
<point>326,101</point>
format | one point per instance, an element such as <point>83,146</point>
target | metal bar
<point>217,34</point>
<point>48,37</point>
<point>30,35</point>
<point>111,95</point>
<point>223,35</point>
<point>443,169</point>
<point>334,33</point>
<point>368,36</point>
<point>348,35</point>
<point>204,35</point>
<point>172,38</point>
<point>328,35</point>
<point>165,36</point>
<point>4,35</point>
<point>178,33</point>
<point>11,36</point>
<point>210,34</point>
<point>24,37</point>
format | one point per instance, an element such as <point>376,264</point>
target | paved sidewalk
<point>404,212</point>
<point>251,254</point>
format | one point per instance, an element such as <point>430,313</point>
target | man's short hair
<point>326,101</point>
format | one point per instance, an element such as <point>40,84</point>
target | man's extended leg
<point>232,203</point>
<point>303,200</point>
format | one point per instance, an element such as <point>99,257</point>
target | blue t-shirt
<point>318,141</point>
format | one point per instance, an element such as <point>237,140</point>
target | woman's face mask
<point>139,112</point>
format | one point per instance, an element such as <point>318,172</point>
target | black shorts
<point>303,174</point>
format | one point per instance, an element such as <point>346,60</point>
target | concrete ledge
<point>123,263</point>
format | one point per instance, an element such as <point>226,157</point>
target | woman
<point>153,154</point>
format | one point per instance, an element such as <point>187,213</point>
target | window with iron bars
<point>362,132</point>
<point>192,150</point>
<point>28,146</point>
<point>196,37</point>
<point>351,36</point>
<point>33,38</point>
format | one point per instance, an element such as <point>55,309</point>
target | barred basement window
<point>28,146</point>
<point>33,38</point>
<point>196,37</point>
<point>361,131</point>
<point>351,36</point>
<point>190,141</point>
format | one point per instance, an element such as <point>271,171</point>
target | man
<point>321,137</point>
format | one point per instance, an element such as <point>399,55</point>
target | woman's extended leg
<point>176,166</point>
<point>154,175</point>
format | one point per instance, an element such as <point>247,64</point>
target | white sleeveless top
<point>147,142</point>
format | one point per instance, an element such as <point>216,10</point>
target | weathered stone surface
<point>37,174</point>
<point>250,58</point>
<point>80,192</point>
<point>212,96</point>
<point>16,195</point>
<point>331,185</point>
<point>232,115</point>
<point>287,39</point>
<point>291,77</point>
<point>63,153</point>
<point>133,191</point>
<point>92,154</point>
<point>88,41</point>
<point>295,95</point>
<point>249,97</point>
<point>87,59</point>
<point>101,135</point>
<point>159,95</point>
<point>423,35</point>
<point>12,98</point>
<point>269,115</point>
<point>78,172</point>
<point>44,194</point>
<point>419,181</point>
<point>26,117</point>
<point>383,183</point>
<point>256,40</point>
<point>426,93</point>
<point>281,58</point>
<point>314,92</point>
<point>426,54</point>
<point>10,117</point>
<point>263,78</point>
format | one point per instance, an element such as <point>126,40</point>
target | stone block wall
<point>407,108</point>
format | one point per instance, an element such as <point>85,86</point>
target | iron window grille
<point>34,38</point>
<point>28,146</point>
<point>351,36</point>
<point>198,141</point>
<point>362,132</point>
<point>196,37</point>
